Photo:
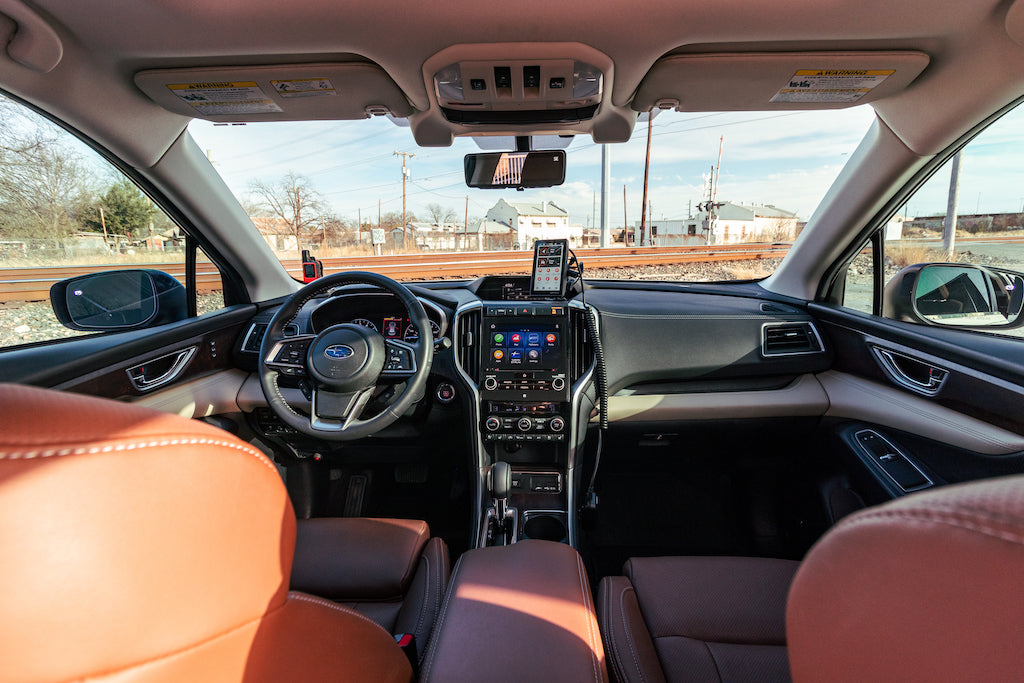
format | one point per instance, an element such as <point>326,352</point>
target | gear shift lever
<point>500,484</point>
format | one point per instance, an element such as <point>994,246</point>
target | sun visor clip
<point>376,110</point>
<point>667,103</point>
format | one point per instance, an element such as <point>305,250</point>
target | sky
<point>787,159</point>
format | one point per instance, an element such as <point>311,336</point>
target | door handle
<point>916,375</point>
<point>159,371</point>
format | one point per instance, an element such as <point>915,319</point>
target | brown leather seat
<point>926,588</point>
<point>137,545</point>
<point>387,569</point>
<point>697,619</point>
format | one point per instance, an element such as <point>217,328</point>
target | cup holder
<point>544,527</point>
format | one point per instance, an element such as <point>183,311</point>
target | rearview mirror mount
<point>519,170</point>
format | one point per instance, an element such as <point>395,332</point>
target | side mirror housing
<point>119,300</point>
<point>956,295</point>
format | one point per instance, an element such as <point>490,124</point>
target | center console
<point>525,362</point>
<point>524,349</point>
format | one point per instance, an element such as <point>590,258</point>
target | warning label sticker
<point>225,98</point>
<point>831,85</point>
<point>304,87</point>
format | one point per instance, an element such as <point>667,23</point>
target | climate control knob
<point>556,424</point>
<point>525,424</point>
<point>490,383</point>
<point>558,383</point>
<point>492,423</point>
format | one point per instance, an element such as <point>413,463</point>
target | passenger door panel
<point>966,424</point>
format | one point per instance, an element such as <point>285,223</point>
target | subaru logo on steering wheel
<point>338,351</point>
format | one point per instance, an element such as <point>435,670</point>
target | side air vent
<point>254,337</point>
<point>583,352</point>
<point>467,335</point>
<point>787,339</point>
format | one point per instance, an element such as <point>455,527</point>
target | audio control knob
<point>490,383</point>
<point>525,424</point>
<point>558,383</point>
<point>556,424</point>
<point>492,423</point>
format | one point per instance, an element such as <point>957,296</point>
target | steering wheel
<point>344,364</point>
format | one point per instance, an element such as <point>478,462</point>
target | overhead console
<point>512,88</point>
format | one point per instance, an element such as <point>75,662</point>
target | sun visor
<point>296,92</point>
<point>766,81</point>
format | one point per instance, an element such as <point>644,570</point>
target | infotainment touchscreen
<point>536,346</point>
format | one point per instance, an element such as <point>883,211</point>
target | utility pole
<point>465,226</point>
<point>949,224</point>
<point>103,222</point>
<point>625,220</point>
<point>650,229</point>
<point>405,174</point>
<point>606,181</point>
<point>647,170</point>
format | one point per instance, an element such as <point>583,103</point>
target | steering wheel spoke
<point>288,355</point>
<point>335,412</point>
<point>400,362</point>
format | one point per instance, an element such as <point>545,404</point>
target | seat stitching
<point>131,446</point>
<point>177,653</point>
<point>609,629</point>
<point>942,517</point>
<point>590,632</point>
<point>629,639</point>
<point>305,597</point>
<point>713,660</point>
<point>426,593</point>
<point>440,624</point>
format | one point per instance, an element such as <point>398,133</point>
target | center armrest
<point>521,612</point>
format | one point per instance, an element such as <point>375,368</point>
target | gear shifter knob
<point>501,480</point>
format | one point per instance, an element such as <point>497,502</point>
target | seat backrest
<point>142,546</point>
<point>926,588</point>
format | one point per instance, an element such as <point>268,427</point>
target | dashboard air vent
<point>785,339</point>
<point>468,332</point>
<point>254,337</point>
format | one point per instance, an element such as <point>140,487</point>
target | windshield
<point>726,194</point>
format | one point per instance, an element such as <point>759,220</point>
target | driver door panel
<point>144,365</point>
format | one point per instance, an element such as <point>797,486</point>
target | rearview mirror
<point>515,169</point>
<point>119,300</point>
<point>955,295</point>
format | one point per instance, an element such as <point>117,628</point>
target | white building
<point>531,221</point>
<point>745,223</point>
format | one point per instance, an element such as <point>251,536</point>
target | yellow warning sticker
<point>831,85</point>
<point>304,87</point>
<point>219,98</point>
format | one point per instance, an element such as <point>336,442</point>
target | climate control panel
<point>524,422</point>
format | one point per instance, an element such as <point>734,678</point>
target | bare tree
<point>294,200</point>
<point>440,215</point>
<point>780,229</point>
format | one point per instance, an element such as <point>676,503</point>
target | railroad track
<point>33,284</point>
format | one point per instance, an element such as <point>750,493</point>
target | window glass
<point>336,188</point>
<point>974,216</point>
<point>64,212</point>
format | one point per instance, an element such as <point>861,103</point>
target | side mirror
<point>119,300</point>
<point>497,170</point>
<point>955,295</point>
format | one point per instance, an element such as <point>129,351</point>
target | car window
<point>65,212</point>
<point>741,183</point>
<point>971,215</point>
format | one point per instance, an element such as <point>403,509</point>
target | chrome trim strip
<point>810,324</point>
<point>180,362</point>
<point>575,403</point>
<point>479,522</point>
